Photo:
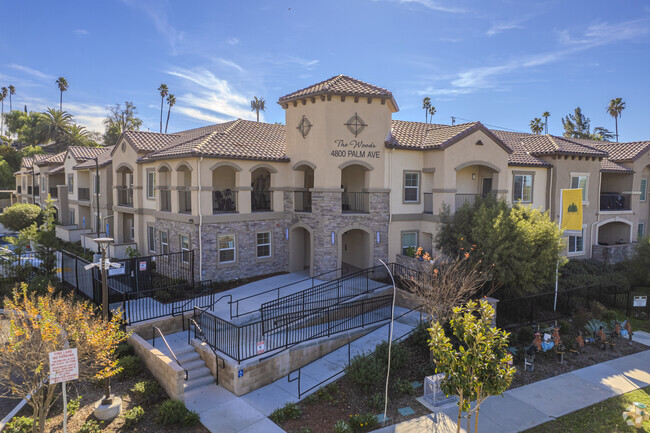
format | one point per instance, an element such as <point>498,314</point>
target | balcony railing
<point>260,201</point>
<point>54,192</point>
<point>29,190</point>
<point>302,201</point>
<point>165,200</point>
<point>18,189</point>
<point>83,194</point>
<point>184,201</point>
<point>355,202</point>
<point>125,196</point>
<point>462,199</point>
<point>224,201</point>
<point>613,201</point>
<point>428,202</point>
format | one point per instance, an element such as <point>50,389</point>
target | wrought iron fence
<point>355,202</point>
<point>260,201</point>
<point>15,268</point>
<point>224,201</point>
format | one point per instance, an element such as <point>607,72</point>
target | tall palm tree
<point>536,125</point>
<point>77,135</point>
<point>164,91</point>
<point>62,84</point>
<point>432,111</point>
<point>426,105</point>
<point>615,107</point>
<point>171,101</point>
<point>12,91</point>
<point>55,125</point>
<point>258,105</point>
<point>3,95</point>
<point>546,115</point>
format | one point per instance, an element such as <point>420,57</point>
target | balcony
<point>302,201</point>
<point>612,201</point>
<point>260,201</point>
<point>428,202</point>
<point>184,201</point>
<point>224,201</point>
<point>18,189</point>
<point>54,192</point>
<point>355,202</point>
<point>124,196</point>
<point>165,200</point>
<point>83,194</point>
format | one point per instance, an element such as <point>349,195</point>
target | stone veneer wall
<point>612,254</point>
<point>175,229</point>
<point>169,374</point>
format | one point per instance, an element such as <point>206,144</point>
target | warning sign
<point>64,365</point>
<point>143,266</point>
<point>261,347</point>
<point>640,301</point>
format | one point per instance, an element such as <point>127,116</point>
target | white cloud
<point>433,5</point>
<point>230,63</point>
<point>199,115</point>
<point>81,32</point>
<point>232,40</point>
<point>154,10</point>
<point>33,72</point>
<point>88,115</point>
<point>605,33</point>
<point>292,60</point>
<point>501,27</point>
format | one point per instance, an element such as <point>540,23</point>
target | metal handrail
<point>153,343</point>
<point>278,290</point>
<point>203,339</point>
<point>215,303</point>
<point>193,298</point>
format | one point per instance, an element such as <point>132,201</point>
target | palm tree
<point>258,105</point>
<point>546,115</point>
<point>536,125</point>
<point>164,91</point>
<point>615,107</point>
<point>12,91</point>
<point>3,95</point>
<point>426,106</point>
<point>77,135</point>
<point>62,84</point>
<point>55,125</point>
<point>171,101</point>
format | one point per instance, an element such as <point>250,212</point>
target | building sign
<point>116,271</point>
<point>240,373</point>
<point>261,347</point>
<point>64,365</point>
<point>143,266</point>
<point>640,301</point>
<point>355,149</point>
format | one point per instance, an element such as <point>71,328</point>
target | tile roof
<point>103,159</point>
<point>520,156</point>
<point>143,141</point>
<point>27,162</point>
<point>539,145</point>
<point>606,165</point>
<point>339,85</point>
<point>52,159</point>
<point>82,153</point>
<point>624,151</point>
<point>238,139</point>
<point>57,169</point>
<point>41,156</point>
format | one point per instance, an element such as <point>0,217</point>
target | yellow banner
<point>571,216</point>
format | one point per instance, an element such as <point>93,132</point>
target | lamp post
<point>102,244</point>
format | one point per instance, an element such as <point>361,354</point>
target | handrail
<point>203,339</point>
<point>312,278</point>
<point>169,348</point>
<point>215,303</point>
<point>193,298</point>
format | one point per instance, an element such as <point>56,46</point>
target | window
<point>523,188</point>
<point>409,239</point>
<point>185,248</point>
<point>576,244</point>
<point>411,186</point>
<point>644,189</point>
<point>151,184</point>
<point>640,231</point>
<point>71,184</point>
<point>227,249</point>
<point>96,183</point>
<point>263,245</point>
<point>580,181</point>
<point>151,238</point>
<point>164,242</point>
<point>71,216</point>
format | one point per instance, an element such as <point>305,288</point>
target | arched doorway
<point>355,251</point>
<point>300,250</point>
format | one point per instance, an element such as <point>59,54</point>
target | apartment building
<point>344,185</point>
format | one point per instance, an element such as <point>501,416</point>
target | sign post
<point>64,366</point>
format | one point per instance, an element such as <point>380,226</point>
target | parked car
<point>9,260</point>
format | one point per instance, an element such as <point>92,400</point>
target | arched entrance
<point>300,250</point>
<point>355,250</point>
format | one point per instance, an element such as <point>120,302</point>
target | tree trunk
<point>161,111</point>
<point>167,123</point>
<point>478,408</point>
<point>458,423</point>
<point>257,110</point>
<point>61,101</point>
<point>616,123</point>
<point>469,420</point>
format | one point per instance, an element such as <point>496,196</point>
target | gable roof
<point>144,141</point>
<point>83,153</point>
<point>52,159</point>
<point>103,159</point>
<point>539,145</point>
<point>608,166</point>
<point>27,162</point>
<point>520,157</point>
<point>238,139</point>
<point>625,152</point>
<point>340,85</point>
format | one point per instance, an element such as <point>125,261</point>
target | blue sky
<point>499,62</point>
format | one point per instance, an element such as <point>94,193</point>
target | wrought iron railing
<point>302,201</point>
<point>165,200</point>
<point>224,201</point>
<point>125,196</point>
<point>54,192</point>
<point>184,201</point>
<point>612,201</point>
<point>83,194</point>
<point>261,201</point>
<point>355,202</point>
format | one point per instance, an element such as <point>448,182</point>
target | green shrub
<point>376,401</point>
<point>131,366</point>
<point>580,318</point>
<point>312,399</point>
<point>341,426</point>
<point>20,216</point>
<point>398,354</point>
<point>565,327</point>
<point>21,424</point>
<point>608,315</point>
<point>133,416</point>
<point>91,426</point>
<point>147,392</point>
<point>525,335</point>
<point>420,336</point>
<point>286,412</point>
<point>306,430</point>
<point>366,371</point>
<point>124,349</point>
<point>362,422</point>
<point>73,405</point>
<point>332,388</point>
<point>174,412</point>
<point>403,387</point>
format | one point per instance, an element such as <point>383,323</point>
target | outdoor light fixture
<point>332,238</point>
<point>378,237</point>
<point>473,176</point>
<point>286,233</point>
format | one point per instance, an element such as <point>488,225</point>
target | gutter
<point>200,224</point>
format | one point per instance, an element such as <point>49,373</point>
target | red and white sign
<point>261,347</point>
<point>64,365</point>
<point>143,266</point>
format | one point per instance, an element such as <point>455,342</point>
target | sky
<point>500,62</point>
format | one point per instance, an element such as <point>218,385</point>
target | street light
<point>103,244</point>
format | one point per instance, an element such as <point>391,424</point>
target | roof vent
<point>479,143</point>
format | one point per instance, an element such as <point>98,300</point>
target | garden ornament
<point>628,328</point>
<point>638,413</point>
<point>580,342</point>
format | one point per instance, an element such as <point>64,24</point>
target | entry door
<point>487,186</point>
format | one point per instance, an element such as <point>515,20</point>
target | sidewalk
<point>531,405</point>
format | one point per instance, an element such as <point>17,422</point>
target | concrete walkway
<point>531,405</point>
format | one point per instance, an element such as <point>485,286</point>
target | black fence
<point>249,340</point>
<point>15,268</point>
<point>534,309</point>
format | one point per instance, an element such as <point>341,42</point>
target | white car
<point>8,260</point>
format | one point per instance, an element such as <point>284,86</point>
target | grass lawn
<point>605,416</point>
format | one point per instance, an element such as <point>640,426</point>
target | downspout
<point>200,225</point>
<point>97,192</point>
<point>593,226</point>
